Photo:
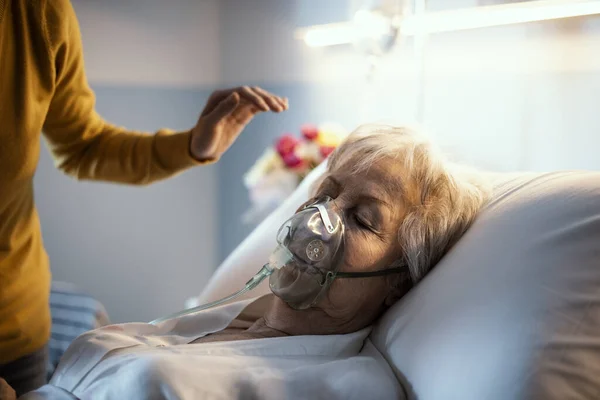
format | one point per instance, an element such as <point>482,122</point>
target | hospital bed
<point>511,312</point>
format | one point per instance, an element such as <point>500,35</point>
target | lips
<point>292,285</point>
<point>288,277</point>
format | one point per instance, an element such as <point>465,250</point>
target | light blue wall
<point>140,250</point>
<point>316,12</point>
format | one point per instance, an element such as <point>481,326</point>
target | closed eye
<point>363,223</point>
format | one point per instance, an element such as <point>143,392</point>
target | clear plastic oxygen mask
<point>309,252</point>
<point>309,249</point>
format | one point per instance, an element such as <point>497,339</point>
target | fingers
<point>255,98</point>
<point>225,107</point>
<point>275,102</point>
<point>263,100</point>
<point>215,98</point>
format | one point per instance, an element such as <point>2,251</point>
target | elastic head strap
<point>333,275</point>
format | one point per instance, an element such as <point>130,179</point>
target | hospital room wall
<point>141,251</point>
<point>503,99</point>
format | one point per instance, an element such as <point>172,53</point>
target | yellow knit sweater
<point>43,88</point>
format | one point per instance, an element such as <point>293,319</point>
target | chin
<point>283,305</point>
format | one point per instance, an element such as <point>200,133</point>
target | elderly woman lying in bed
<point>383,215</point>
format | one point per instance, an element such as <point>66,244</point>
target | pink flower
<point>310,132</point>
<point>291,160</point>
<point>326,150</point>
<point>286,145</point>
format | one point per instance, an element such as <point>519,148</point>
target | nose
<point>326,218</point>
<point>335,212</point>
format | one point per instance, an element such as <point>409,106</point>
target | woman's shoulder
<point>58,19</point>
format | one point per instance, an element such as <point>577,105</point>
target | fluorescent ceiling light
<point>366,24</point>
<point>328,35</point>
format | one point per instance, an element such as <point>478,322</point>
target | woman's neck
<point>313,321</point>
<point>261,328</point>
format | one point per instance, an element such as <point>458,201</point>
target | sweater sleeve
<point>82,143</point>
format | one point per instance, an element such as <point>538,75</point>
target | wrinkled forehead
<point>384,173</point>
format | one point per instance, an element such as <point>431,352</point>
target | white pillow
<point>513,310</point>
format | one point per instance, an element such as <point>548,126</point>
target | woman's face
<point>372,206</point>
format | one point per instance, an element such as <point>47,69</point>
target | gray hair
<point>449,196</point>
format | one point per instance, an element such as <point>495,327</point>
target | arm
<point>86,147</point>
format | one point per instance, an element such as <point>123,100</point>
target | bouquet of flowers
<point>282,167</point>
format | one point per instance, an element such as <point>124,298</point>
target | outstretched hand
<point>225,116</point>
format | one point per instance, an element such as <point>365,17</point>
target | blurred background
<point>512,97</point>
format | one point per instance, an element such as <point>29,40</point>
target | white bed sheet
<point>142,361</point>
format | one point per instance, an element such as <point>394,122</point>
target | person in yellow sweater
<point>43,88</point>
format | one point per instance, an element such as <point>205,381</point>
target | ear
<point>400,284</point>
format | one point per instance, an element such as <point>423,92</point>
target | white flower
<point>268,192</point>
<point>309,151</point>
<point>278,184</point>
<point>267,162</point>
